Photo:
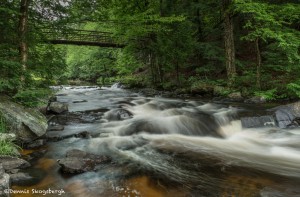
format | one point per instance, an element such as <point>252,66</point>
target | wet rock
<point>149,92</point>
<point>20,177</point>
<point>103,135</point>
<point>256,100</point>
<point>4,182</point>
<point>10,163</point>
<point>61,95</point>
<point>78,161</point>
<point>57,136</point>
<point>117,114</point>
<point>35,155</point>
<point>83,134</point>
<point>58,107</point>
<point>55,128</point>
<point>36,144</point>
<point>28,124</point>
<point>287,115</point>
<point>80,101</point>
<point>53,99</point>
<point>256,122</point>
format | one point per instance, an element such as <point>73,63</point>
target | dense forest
<point>152,98</point>
<point>207,47</point>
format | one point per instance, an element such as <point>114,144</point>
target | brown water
<point>168,148</point>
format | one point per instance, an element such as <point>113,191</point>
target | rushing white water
<point>194,144</point>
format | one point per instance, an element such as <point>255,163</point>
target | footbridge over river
<point>81,37</point>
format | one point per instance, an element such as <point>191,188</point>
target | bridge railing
<point>86,36</point>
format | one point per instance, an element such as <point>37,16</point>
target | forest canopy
<point>249,46</point>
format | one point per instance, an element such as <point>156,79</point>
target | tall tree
<point>229,41</point>
<point>23,46</point>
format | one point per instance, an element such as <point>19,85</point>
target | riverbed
<point>165,147</point>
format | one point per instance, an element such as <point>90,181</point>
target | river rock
<point>26,123</point>
<point>256,100</point>
<point>260,121</point>
<point>235,96</point>
<point>9,163</point>
<point>58,107</point>
<point>78,161</point>
<point>4,182</point>
<point>79,101</point>
<point>287,115</point>
<point>36,143</point>
<point>20,177</point>
<point>117,114</point>
<point>56,128</point>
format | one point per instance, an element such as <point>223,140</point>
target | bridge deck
<point>81,37</point>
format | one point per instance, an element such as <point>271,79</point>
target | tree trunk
<point>229,43</point>
<point>177,74</point>
<point>258,64</point>
<point>23,47</point>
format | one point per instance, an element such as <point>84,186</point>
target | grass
<point>7,147</point>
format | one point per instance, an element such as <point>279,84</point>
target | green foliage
<point>32,97</point>
<point>167,42</point>
<point>7,147</point>
<point>269,95</point>
<point>295,88</point>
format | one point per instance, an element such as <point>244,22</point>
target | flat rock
<point>10,163</point>
<point>20,177</point>
<point>78,161</point>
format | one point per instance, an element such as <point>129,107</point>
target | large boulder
<point>28,124</point>
<point>284,116</point>
<point>287,115</point>
<point>259,121</point>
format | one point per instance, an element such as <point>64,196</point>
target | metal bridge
<point>81,37</point>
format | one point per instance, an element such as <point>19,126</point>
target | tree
<point>23,21</point>
<point>229,41</point>
<point>272,24</point>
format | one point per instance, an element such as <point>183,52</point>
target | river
<point>166,147</point>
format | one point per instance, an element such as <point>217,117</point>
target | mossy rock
<point>27,123</point>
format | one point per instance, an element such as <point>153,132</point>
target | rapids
<point>170,147</point>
